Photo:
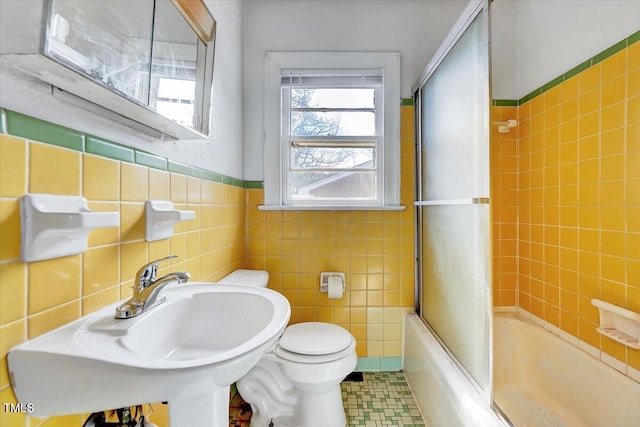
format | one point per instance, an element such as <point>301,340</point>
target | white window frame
<point>276,165</point>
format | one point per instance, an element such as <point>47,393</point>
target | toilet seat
<point>314,342</point>
<point>315,338</point>
<point>313,359</point>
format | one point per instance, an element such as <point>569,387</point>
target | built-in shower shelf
<point>618,323</point>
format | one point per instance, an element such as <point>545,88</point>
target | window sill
<point>330,208</point>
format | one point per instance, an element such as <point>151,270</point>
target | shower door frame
<point>471,12</point>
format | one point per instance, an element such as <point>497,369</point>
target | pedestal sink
<point>186,351</point>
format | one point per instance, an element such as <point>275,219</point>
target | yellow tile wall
<point>374,248</point>
<point>39,296</point>
<point>504,205</point>
<point>578,201</point>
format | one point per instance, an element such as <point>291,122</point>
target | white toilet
<point>297,383</point>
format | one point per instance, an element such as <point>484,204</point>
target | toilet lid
<point>315,338</point>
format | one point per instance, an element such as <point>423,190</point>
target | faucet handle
<point>147,273</point>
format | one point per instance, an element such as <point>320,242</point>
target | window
<point>332,141</point>
<point>332,131</point>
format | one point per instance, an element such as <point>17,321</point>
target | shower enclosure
<point>452,101</point>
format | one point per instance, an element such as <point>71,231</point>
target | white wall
<point>535,41</point>
<point>222,153</point>
<point>503,42</point>
<point>554,36</point>
<point>225,154</point>
<point>413,28</point>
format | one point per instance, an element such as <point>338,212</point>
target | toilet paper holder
<point>324,279</point>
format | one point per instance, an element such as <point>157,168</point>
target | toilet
<point>297,382</point>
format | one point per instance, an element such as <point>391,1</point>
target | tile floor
<point>382,399</point>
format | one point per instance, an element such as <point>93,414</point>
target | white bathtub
<point>540,380</point>
<point>443,394</point>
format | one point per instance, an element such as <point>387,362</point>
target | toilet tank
<point>258,278</point>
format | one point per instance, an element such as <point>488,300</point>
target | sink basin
<point>188,323</point>
<point>186,350</point>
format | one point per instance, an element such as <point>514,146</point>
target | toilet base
<point>312,410</point>
<point>276,422</point>
<point>321,410</point>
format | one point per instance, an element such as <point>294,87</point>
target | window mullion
<point>285,158</point>
<point>379,104</point>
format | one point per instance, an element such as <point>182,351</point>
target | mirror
<point>108,42</point>
<point>148,51</point>
<point>173,66</point>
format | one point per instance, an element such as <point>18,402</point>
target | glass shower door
<point>453,197</point>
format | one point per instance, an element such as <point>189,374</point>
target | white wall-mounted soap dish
<point>53,226</point>
<point>619,324</point>
<point>161,218</point>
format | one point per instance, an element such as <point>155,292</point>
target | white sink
<point>186,351</point>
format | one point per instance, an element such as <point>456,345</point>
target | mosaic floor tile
<point>382,399</point>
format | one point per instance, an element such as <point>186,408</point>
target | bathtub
<point>540,380</point>
<point>444,395</point>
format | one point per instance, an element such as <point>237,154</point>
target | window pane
<point>176,89</point>
<point>332,185</point>
<point>334,123</point>
<point>332,98</point>
<point>332,157</point>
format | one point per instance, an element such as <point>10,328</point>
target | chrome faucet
<point>146,288</point>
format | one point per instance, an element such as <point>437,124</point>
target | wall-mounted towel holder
<point>53,226</point>
<point>161,218</point>
<point>618,323</point>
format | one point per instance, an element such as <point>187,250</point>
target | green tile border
<point>104,148</point>
<point>530,96</point>
<point>39,130</point>
<point>505,103</point>
<point>177,167</point>
<point>202,173</point>
<point>253,184</point>
<point>31,128</point>
<point>391,364</point>
<point>577,69</point>
<point>218,177</point>
<point>151,160</point>
<point>612,50</point>
<point>553,83</point>
<point>379,364</point>
<point>406,101</point>
<point>368,364</point>
<point>609,51</point>
<point>3,121</point>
